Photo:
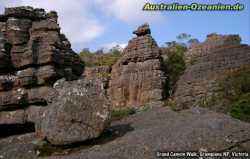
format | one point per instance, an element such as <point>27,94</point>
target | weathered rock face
<point>80,111</point>
<point>163,130</point>
<point>102,73</point>
<point>210,61</point>
<point>33,55</point>
<point>137,78</point>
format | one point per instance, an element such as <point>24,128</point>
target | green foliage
<point>183,36</point>
<point>236,83</point>
<point>240,109</point>
<point>236,89</point>
<point>107,59</point>
<point>174,64</point>
<point>103,75</point>
<point>207,101</point>
<point>143,108</point>
<point>215,102</point>
<point>120,114</point>
<point>99,58</point>
<point>171,103</point>
<point>87,57</point>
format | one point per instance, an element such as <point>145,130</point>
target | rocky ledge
<point>143,134</point>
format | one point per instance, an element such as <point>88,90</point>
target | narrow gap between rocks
<point>15,129</point>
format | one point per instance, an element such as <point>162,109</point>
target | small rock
<point>142,30</point>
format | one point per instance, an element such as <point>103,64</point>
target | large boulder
<point>143,134</point>
<point>162,130</point>
<point>80,111</point>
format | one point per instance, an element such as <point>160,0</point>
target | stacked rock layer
<point>209,63</point>
<point>33,55</point>
<point>137,78</point>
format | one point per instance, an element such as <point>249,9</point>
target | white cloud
<point>129,11</point>
<point>75,18</point>
<point>7,3</point>
<point>81,23</point>
<point>108,46</point>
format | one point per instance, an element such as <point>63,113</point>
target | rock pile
<point>137,78</point>
<point>209,62</point>
<point>33,55</point>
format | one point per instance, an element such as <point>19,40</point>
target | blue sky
<point>103,23</point>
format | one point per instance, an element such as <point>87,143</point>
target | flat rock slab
<point>18,147</point>
<point>161,129</point>
<point>164,130</point>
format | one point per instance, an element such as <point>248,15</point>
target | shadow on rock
<point>110,134</point>
<point>14,129</point>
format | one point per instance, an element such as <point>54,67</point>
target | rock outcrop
<point>102,73</point>
<point>137,78</point>
<point>33,55</point>
<point>79,112</point>
<point>161,130</point>
<point>140,136</point>
<point>209,62</point>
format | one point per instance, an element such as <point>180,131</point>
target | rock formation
<point>99,72</point>
<point>137,78</point>
<point>40,83</point>
<point>79,112</point>
<point>33,55</point>
<point>141,135</point>
<point>209,62</point>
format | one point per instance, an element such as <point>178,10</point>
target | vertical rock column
<point>137,78</point>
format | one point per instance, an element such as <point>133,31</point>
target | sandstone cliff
<point>137,78</point>
<point>208,63</point>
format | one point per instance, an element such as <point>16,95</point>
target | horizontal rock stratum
<point>210,62</point>
<point>33,54</point>
<point>35,57</point>
<point>137,78</point>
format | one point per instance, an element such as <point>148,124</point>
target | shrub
<point>88,58</point>
<point>236,89</point>
<point>100,59</point>
<point>236,83</point>
<point>171,103</point>
<point>215,102</point>
<point>120,114</point>
<point>174,65</point>
<point>240,109</point>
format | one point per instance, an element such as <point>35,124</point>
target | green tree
<point>174,64</point>
<point>99,58</point>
